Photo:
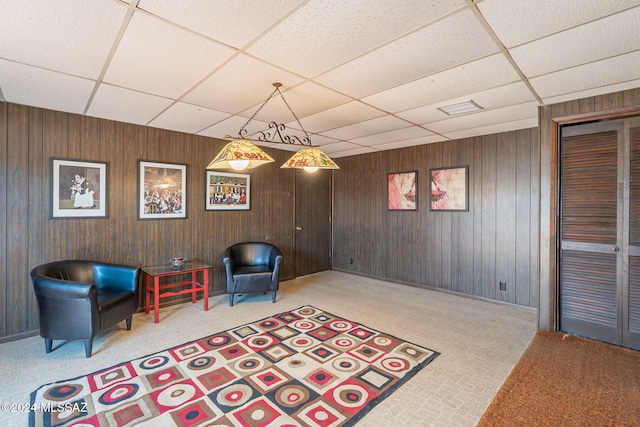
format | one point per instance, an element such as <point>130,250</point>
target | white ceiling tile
<point>187,118</point>
<point>347,29</point>
<point>543,17</point>
<point>485,117</point>
<point>596,74</point>
<point>497,128</point>
<point>341,146</point>
<point>22,84</point>
<point>342,115</point>
<point>412,132</point>
<point>593,92</point>
<point>351,152</point>
<point>234,23</point>
<point>368,127</point>
<point>60,36</point>
<point>304,100</point>
<point>473,77</point>
<point>445,44</point>
<point>511,94</point>
<point>232,126</point>
<point>161,59</point>
<point>116,103</point>
<point>611,36</point>
<point>411,142</point>
<point>254,78</point>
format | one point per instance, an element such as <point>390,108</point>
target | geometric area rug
<point>303,367</point>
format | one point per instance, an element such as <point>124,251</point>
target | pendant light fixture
<point>241,153</point>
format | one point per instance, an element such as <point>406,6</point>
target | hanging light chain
<point>279,127</point>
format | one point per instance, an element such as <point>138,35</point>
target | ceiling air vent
<point>460,108</point>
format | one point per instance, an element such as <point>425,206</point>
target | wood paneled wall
<point>611,105</point>
<point>30,136</point>
<point>465,252</point>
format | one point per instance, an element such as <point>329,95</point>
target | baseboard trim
<point>19,336</point>
<point>433,288</point>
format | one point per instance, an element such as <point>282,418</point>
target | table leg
<point>205,283</point>
<point>194,287</point>
<point>156,299</point>
<point>147,289</point>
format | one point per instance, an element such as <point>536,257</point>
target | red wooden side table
<point>192,286</point>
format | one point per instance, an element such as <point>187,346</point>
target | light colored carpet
<point>480,343</point>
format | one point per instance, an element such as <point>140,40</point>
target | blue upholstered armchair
<point>252,267</point>
<point>80,299</point>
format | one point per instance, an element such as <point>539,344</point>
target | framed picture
<point>227,191</point>
<point>162,190</point>
<point>402,191</point>
<point>78,189</point>
<point>450,189</point>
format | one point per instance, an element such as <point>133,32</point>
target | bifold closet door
<point>591,230</point>
<point>631,336</point>
<point>600,231</point>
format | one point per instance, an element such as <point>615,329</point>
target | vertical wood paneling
<point>489,219</point>
<point>37,205</point>
<point>446,250</point>
<point>4,212</point>
<point>523,183</point>
<point>17,210</point>
<point>475,199</point>
<point>506,197</point>
<point>30,137</point>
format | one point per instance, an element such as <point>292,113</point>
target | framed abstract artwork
<point>162,190</point>
<point>78,189</point>
<point>402,191</point>
<point>450,189</point>
<point>227,191</point>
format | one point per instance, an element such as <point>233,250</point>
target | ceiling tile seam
<point>454,117</point>
<point>582,64</point>
<point>123,28</point>
<point>599,18</point>
<point>501,123</point>
<point>556,95</point>
<point>502,48</point>
<point>393,40</point>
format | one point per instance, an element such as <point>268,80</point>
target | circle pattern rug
<point>304,367</point>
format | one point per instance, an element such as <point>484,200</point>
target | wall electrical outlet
<point>350,260</point>
<point>503,286</point>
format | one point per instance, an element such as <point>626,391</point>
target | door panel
<point>591,230</point>
<point>313,222</point>
<point>631,297</point>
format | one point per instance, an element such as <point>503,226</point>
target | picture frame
<point>78,189</point>
<point>162,190</point>
<point>227,191</point>
<point>402,191</point>
<point>449,190</point>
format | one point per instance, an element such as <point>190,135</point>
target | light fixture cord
<point>292,113</point>
<point>240,135</point>
<point>277,89</point>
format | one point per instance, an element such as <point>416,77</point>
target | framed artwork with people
<point>162,190</point>
<point>78,189</point>
<point>450,189</point>
<point>227,191</point>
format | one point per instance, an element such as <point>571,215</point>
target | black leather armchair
<point>252,267</point>
<point>80,299</point>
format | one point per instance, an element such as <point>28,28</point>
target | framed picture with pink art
<point>450,189</point>
<point>402,191</point>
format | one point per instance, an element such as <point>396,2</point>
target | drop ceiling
<point>360,75</point>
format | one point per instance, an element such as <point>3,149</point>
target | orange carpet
<point>564,380</point>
